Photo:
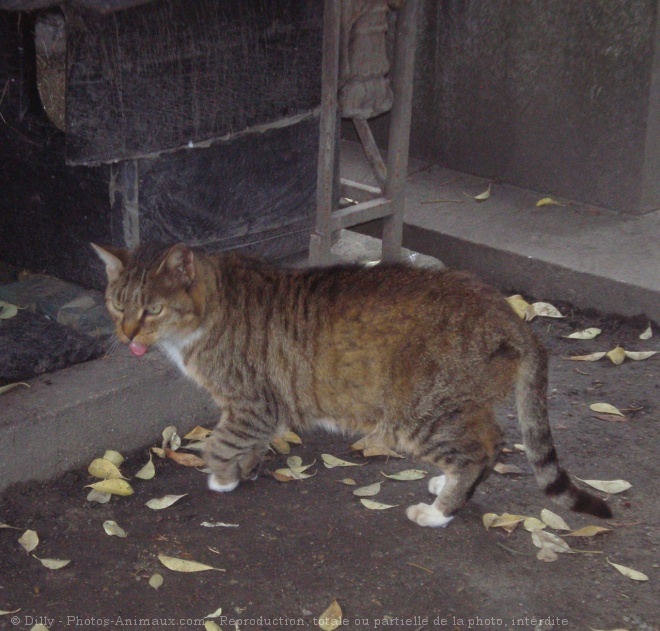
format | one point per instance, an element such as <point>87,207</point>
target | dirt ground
<point>298,546</point>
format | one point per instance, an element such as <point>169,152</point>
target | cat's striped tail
<point>531,401</point>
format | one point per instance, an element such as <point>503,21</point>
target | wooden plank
<point>360,213</point>
<point>371,149</point>
<point>357,191</point>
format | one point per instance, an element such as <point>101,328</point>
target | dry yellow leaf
<point>98,496</point>
<point>617,355</point>
<point>543,309</point>
<point>148,471</point>
<point>587,531</point>
<point>553,520</point>
<point>114,456</point>
<point>280,446</point>
<point>483,196</point>
<point>209,625</point>
<point>104,469</point>
<point>7,310</point>
<point>170,438</point>
<point>640,355</point>
<point>11,386</point>
<point>348,481</point>
<point>6,613</point>
<point>215,614</point>
<point>371,505</point>
<point>114,487</point>
<point>605,408</point>
<point>547,555</point>
<point>548,201</point>
<point>331,461</point>
<point>545,539</point>
<point>39,627</point>
<point>29,540</point>
<point>507,521</point>
<point>331,618</point>
<point>3,525</point>
<point>592,357</point>
<point>292,437</point>
<point>608,486</point>
<point>198,433</point>
<point>53,564</point>
<point>164,502</point>
<point>156,581</point>
<point>113,529</point>
<point>488,519</point>
<point>586,334</point>
<point>503,469</point>
<point>184,565</point>
<point>531,524</point>
<point>185,460</point>
<point>407,475</point>
<point>518,304</point>
<point>647,334</point>
<point>368,491</point>
<point>629,572</point>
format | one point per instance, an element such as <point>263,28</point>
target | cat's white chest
<point>176,348</point>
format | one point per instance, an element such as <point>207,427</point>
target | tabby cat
<point>414,358</point>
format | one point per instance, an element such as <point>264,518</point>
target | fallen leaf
<point>518,304</point>
<point>605,408</point>
<point>98,497</point>
<point>39,627</point>
<point>548,201</point>
<point>292,437</point>
<point>545,539</point>
<point>3,525</point>
<point>608,486</point>
<point>198,433</point>
<point>184,565</point>
<point>348,481</point>
<point>331,461</point>
<point>629,572</point>
<point>588,531</point>
<point>482,196</point>
<point>331,619</point>
<point>6,613</point>
<point>531,524</point>
<point>164,502</point>
<point>369,452</point>
<point>616,355</point>
<point>294,461</point>
<point>553,520</point>
<point>507,521</point>
<point>148,471</point>
<point>592,357</point>
<point>114,487</point>
<point>640,355</point>
<point>11,386</point>
<point>488,519</point>
<point>29,540</point>
<point>371,505</point>
<point>506,468</point>
<point>7,310</point>
<point>209,625</point>
<point>647,334</point>
<point>53,564</point>
<point>114,456</point>
<point>185,460</point>
<point>586,334</point>
<point>215,614</point>
<point>368,491</point>
<point>156,581</point>
<point>198,445</point>
<point>159,452</point>
<point>218,524</point>
<point>547,555</point>
<point>170,438</point>
<point>280,445</point>
<point>519,447</point>
<point>543,309</point>
<point>293,473</point>
<point>407,475</point>
<point>113,529</point>
<point>104,469</point>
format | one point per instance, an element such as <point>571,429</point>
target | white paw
<point>437,484</point>
<point>427,515</point>
<point>214,485</point>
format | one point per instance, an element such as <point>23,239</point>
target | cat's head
<point>153,293</point>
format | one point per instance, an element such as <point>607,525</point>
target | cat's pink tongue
<point>137,349</point>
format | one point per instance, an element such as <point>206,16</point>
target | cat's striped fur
<point>414,358</point>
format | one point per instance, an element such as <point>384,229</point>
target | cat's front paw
<point>214,485</point>
<point>427,515</point>
<point>437,484</point>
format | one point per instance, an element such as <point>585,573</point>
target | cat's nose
<point>131,330</point>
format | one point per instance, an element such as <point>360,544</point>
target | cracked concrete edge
<point>69,417</point>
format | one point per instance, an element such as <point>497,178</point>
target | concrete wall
<point>558,96</point>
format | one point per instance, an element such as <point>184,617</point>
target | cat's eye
<point>154,310</point>
<point>117,305</point>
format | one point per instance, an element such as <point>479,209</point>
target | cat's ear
<point>114,259</point>
<point>179,260</point>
